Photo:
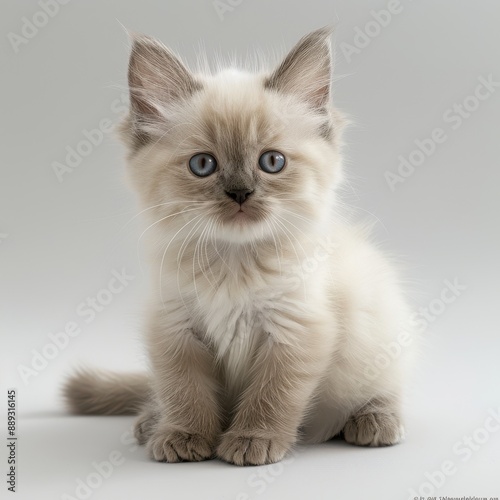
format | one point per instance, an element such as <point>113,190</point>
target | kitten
<point>267,312</point>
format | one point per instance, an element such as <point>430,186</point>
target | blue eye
<point>272,162</point>
<point>202,164</point>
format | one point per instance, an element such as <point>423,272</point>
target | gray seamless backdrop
<point>414,82</point>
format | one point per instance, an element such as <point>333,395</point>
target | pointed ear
<point>306,70</point>
<point>156,78</point>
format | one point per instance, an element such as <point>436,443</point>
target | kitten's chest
<point>232,321</point>
<point>232,301</point>
<point>237,304</point>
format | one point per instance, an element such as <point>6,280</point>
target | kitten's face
<point>243,156</point>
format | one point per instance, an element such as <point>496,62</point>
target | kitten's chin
<point>243,227</point>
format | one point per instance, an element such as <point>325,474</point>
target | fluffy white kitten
<point>267,313</point>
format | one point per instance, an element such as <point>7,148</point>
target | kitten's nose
<point>239,195</point>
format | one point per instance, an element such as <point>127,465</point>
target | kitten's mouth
<point>242,215</point>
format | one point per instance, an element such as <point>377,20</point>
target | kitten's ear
<point>156,78</point>
<point>306,70</point>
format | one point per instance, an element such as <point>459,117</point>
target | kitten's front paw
<point>251,448</point>
<point>177,446</point>
<point>374,429</point>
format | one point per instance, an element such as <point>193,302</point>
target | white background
<point>60,241</point>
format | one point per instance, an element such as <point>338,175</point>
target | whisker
<point>275,244</point>
<point>153,224</point>
<point>181,252</point>
<point>194,261</point>
<point>166,250</point>
<point>221,257</point>
<point>298,229</point>
<point>299,216</point>
<point>281,218</point>
<point>296,255</point>
<point>160,205</point>
<point>205,255</point>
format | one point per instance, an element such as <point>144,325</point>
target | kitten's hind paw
<point>176,446</point>
<point>373,429</point>
<point>144,426</point>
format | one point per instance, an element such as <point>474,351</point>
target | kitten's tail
<point>106,393</point>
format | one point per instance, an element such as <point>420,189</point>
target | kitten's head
<point>249,153</point>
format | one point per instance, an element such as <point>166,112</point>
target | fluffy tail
<point>106,393</point>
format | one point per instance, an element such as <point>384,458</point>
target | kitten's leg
<point>185,390</point>
<point>272,407</point>
<point>378,423</point>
